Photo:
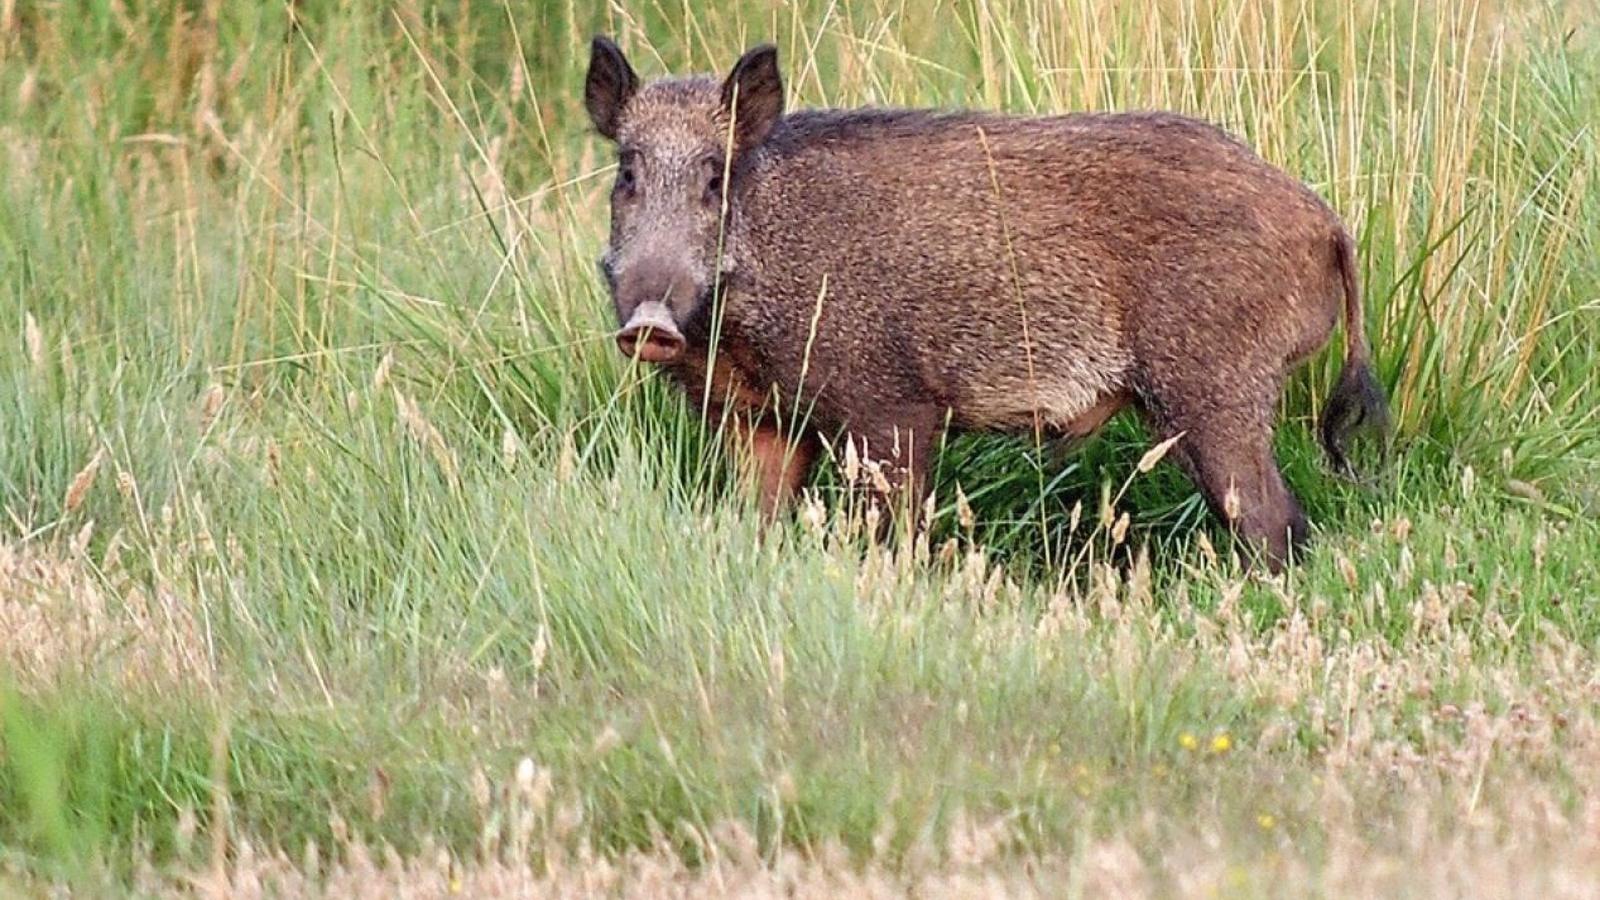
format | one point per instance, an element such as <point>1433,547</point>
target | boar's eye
<point>627,182</point>
<point>712,166</point>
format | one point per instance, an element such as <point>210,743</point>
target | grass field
<point>341,550</point>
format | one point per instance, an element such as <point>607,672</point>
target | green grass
<point>378,506</point>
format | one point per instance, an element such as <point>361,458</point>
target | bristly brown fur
<point>900,271</point>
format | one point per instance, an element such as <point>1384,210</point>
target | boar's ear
<point>610,83</point>
<point>753,95</point>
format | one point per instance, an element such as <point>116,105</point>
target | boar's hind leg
<point>1229,457</point>
<point>777,464</point>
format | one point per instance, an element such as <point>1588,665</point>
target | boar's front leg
<point>896,458</point>
<point>777,463</point>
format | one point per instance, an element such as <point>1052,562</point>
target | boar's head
<point>678,142</point>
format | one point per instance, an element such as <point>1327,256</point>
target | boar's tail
<point>1357,400</point>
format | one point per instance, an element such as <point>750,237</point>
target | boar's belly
<point>1070,398</point>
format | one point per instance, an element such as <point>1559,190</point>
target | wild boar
<point>894,273</point>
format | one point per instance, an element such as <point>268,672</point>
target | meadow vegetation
<point>341,550</point>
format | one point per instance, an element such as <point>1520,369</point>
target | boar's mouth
<point>651,335</point>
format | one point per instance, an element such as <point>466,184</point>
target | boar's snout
<point>653,296</point>
<point>651,334</point>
